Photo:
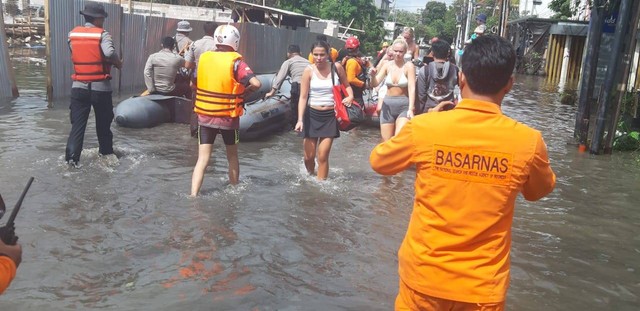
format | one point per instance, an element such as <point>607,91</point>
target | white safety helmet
<point>227,35</point>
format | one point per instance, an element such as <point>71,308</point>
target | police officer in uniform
<point>183,42</point>
<point>92,54</point>
<point>294,67</point>
<point>193,55</point>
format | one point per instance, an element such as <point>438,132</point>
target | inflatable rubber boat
<point>261,117</point>
<point>371,117</point>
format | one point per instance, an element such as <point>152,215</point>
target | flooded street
<point>123,235</point>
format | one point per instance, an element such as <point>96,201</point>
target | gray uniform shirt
<point>109,52</point>
<point>161,69</point>
<point>207,43</point>
<point>293,67</point>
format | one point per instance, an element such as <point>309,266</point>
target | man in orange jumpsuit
<point>10,257</point>
<point>471,163</point>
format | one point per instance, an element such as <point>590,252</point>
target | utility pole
<point>468,19</point>
<point>609,88</point>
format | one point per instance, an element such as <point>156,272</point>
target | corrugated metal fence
<point>8,86</point>
<point>61,17</point>
<point>136,37</point>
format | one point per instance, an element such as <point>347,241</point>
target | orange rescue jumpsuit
<point>7,272</point>
<point>471,163</point>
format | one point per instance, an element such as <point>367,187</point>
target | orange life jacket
<point>88,60</point>
<point>218,93</point>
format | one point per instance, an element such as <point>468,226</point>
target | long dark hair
<point>325,46</point>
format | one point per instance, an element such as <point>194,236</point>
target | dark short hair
<point>487,64</point>
<point>89,19</point>
<point>321,44</point>
<point>168,42</point>
<point>322,38</point>
<point>293,49</point>
<point>440,49</point>
<point>209,28</point>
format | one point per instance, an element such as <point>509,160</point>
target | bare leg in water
<point>324,148</point>
<point>309,146</point>
<point>204,154</point>
<point>234,164</point>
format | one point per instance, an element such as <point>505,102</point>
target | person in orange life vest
<point>316,115</point>
<point>333,54</point>
<point>355,67</point>
<point>223,79</point>
<point>10,258</point>
<point>92,54</point>
<point>471,163</point>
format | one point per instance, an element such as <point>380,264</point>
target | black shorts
<point>207,135</point>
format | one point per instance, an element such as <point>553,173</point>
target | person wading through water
<point>293,67</point>
<point>223,79</point>
<point>471,164</point>
<point>92,54</point>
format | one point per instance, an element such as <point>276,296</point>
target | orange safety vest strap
<point>218,103</point>
<point>217,94</point>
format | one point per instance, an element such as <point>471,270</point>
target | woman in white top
<point>413,51</point>
<point>318,123</point>
<point>398,106</point>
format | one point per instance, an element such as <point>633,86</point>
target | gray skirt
<point>320,124</point>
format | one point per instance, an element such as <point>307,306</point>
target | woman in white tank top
<point>316,117</point>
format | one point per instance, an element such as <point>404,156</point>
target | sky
<point>414,5</point>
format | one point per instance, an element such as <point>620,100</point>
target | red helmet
<point>352,43</point>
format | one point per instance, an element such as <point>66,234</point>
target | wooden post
<point>12,76</point>
<point>47,35</point>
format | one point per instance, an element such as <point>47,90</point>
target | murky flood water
<point>123,235</point>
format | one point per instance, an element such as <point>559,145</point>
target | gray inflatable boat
<point>261,117</point>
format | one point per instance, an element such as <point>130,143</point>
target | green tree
<point>363,13</point>
<point>433,11</point>
<point>308,7</point>
<point>562,8</point>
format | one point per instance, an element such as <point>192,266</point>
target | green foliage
<point>562,8</point>
<point>364,14</point>
<point>569,97</point>
<point>433,11</point>
<point>532,62</point>
<point>627,139</point>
